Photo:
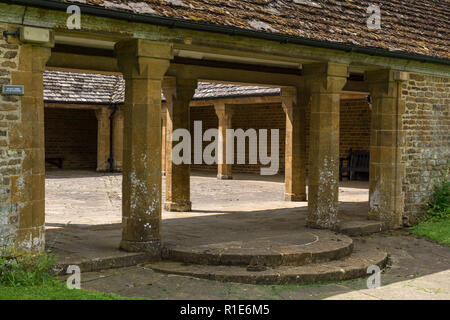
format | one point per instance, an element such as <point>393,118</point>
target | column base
<point>322,225</point>
<point>185,206</point>
<point>152,248</point>
<point>224,177</point>
<point>295,197</point>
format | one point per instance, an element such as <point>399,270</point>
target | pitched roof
<point>95,88</point>
<point>411,26</point>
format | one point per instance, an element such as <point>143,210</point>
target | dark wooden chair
<point>357,161</point>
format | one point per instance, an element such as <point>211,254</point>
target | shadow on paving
<point>410,257</point>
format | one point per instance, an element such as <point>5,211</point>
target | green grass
<point>27,276</point>
<point>434,229</point>
<point>54,291</point>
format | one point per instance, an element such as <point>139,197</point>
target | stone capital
<point>288,98</point>
<point>144,59</point>
<point>329,77</point>
<point>223,111</point>
<point>384,82</point>
<point>102,114</point>
<point>178,89</point>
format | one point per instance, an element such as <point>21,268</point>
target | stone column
<point>163,136</point>
<point>324,81</point>
<point>294,104</point>
<point>178,93</point>
<point>386,199</point>
<point>103,138</point>
<point>224,114</point>
<point>144,64</point>
<point>118,139</point>
<point>26,142</point>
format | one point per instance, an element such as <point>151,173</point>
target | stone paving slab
<point>347,268</point>
<point>83,215</point>
<point>418,269</point>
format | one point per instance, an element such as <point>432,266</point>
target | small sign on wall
<point>16,90</point>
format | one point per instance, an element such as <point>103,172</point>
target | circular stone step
<point>293,249</point>
<point>354,266</point>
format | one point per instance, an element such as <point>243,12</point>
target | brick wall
<point>426,151</point>
<point>10,159</point>
<point>209,120</point>
<point>73,134</point>
<point>263,116</point>
<point>354,127</point>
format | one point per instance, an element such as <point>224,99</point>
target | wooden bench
<point>55,159</point>
<point>357,161</point>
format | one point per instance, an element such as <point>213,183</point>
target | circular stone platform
<point>272,238</point>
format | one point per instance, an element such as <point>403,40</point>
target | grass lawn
<point>54,291</point>
<point>437,230</point>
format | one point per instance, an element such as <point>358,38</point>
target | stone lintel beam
<point>143,64</point>
<point>324,81</point>
<point>178,92</point>
<point>386,199</point>
<point>224,114</point>
<point>294,101</point>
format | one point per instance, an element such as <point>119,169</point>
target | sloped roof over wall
<point>96,88</point>
<point>411,26</point>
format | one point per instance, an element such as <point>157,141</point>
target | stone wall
<point>71,133</point>
<point>426,151</point>
<point>10,159</point>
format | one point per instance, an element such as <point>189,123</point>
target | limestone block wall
<point>10,159</point>
<point>426,151</point>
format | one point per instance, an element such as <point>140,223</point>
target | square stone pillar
<point>103,138</point>
<point>118,139</point>
<point>144,64</point>
<point>324,81</point>
<point>386,199</point>
<point>224,114</point>
<point>26,142</point>
<point>294,104</point>
<point>178,93</point>
<point>163,136</point>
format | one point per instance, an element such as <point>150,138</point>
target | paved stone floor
<point>83,215</point>
<point>419,269</point>
<point>90,198</point>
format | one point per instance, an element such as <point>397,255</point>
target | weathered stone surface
<point>386,198</point>
<point>294,102</point>
<point>324,83</point>
<point>22,147</point>
<point>143,64</point>
<point>178,93</point>
<point>103,138</point>
<point>351,267</point>
<point>426,147</point>
<point>224,115</point>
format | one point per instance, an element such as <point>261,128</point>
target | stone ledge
<point>348,268</point>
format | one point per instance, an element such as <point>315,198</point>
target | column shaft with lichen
<point>144,64</point>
